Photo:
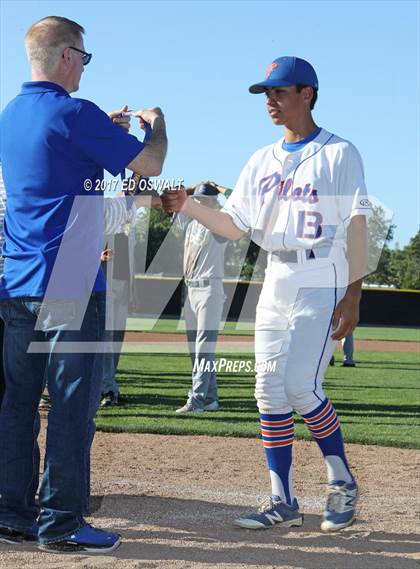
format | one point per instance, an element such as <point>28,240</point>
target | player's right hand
<point>174,200</point>
<point>148,116</point>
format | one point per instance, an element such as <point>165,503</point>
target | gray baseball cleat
<point>340,509</point>
<point>213,406</point>
<point>272,512</point>
<point>189,408</point>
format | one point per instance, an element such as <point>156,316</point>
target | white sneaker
<point>213,406</point>
<point>189,408</point>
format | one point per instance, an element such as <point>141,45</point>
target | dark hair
<point>299,88</point>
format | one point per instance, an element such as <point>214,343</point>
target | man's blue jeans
<point>64,491</point>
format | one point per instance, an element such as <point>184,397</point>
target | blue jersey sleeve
<point>101,140</point>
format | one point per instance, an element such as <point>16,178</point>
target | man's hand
<point>346,316</point>
<point>117,118</point>
<point>174,200</point>
<point>148,116</point>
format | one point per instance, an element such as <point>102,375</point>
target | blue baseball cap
<point>285,72</point>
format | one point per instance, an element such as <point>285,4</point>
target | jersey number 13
<point>309,225</point>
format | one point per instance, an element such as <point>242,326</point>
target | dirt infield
<point>360,345</point>
<point>173,500</point>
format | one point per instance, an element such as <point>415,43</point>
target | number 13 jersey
<point>303,199</point>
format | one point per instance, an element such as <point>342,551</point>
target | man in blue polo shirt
<point>54,149</point>
<point>2,212</point>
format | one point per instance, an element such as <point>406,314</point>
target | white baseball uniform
<point>297,206</point>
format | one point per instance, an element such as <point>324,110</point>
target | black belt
<point>292,256</point>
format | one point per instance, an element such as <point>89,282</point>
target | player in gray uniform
<point>203,274</point>
<point>120,215</point>
<point>119,270</point>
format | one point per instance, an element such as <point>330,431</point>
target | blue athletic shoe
<point>270,513</point>
<point>341,505</point>
<point>85,540</point>
<point>14,537</point>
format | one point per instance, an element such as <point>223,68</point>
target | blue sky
<point>196,60</point>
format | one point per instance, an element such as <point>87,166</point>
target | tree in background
<point>380,234</point>
<point>405,265</point>
<point>159,223</point>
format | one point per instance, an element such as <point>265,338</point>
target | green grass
<point>378,402</point>
<point>166,325</point>
<point>387,333</point>
<point>172,325</point>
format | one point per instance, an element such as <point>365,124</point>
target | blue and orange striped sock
<point>277,434</point>
<point>325,428</point>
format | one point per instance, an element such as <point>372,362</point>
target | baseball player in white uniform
<point>302,199</point>
<point>203,275</point>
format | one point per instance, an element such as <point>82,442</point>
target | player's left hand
<point>118,118</point>
<point>106,255</point>
<point>346,317</point>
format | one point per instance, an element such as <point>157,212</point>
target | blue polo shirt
<point>50,144</point>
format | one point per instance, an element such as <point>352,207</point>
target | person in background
<point>118,264</point>
<point>203,276</point>
<point>348,352</point>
